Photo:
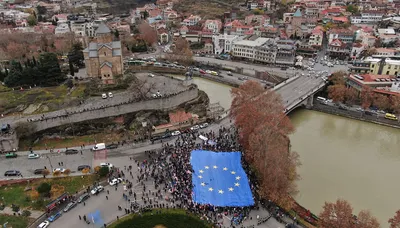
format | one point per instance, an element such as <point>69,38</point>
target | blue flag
<point>219,179</point>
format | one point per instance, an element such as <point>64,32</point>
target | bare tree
<point>141,88</point>
<point>148,33</point>
<point>181,52</point>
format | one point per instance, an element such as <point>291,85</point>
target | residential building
<point>78,27</point>
<point>386,52</point>
<point>338,49</point>
<point>247,49</point>
<point>378,66</point>
<point>214,26</point>
<point>208,47</point>
<point>163,36</point>
<point>383,84</point>
<point>238,28</point>
<point>316,38</point>
<point>267,52</point>
<point>103,57</point>
<point>223,43</point>
<point>191,21</point>
<point>367,17</point>
<point>286,52</point>
<point>62,28</point>
<point>344,35</point>
<point>257,20</point>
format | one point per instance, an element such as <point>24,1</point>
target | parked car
<point>54,217</point>
<point>229,73</point>
<point>70,206</point>
<point>97,189</point>
<point>175,133</point>
<point>33,156</point>
<point>195,128</point>
<point>71,151</point>
<point>61,170</point>
<point>202,71</point>
<point>106,164</point>
<point>83,198</point>
<point>38,171</point>
<point>110,95</point>
<point>114,181</point>
<point>203,125</point>
<point>44,224</point>
<point>151,75</point>
<point>82,167</point>
<point>112,146</point>
<point>104,96</point>
<point>11,155</point>
<point>12,173</point>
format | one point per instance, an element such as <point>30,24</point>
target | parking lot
<point>50,161</point>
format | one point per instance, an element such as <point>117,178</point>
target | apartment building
<point>378,66</point>
<point>367,17</point>
<point>223,42</point>
<point>191,21</point>
<point>247,49</point>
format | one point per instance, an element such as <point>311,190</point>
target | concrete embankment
<point>354,115</point>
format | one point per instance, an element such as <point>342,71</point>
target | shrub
<point>85,171</point>
<point>15,208</point>
<point>26,213</point>
<point>67,172</point>
<point>56,173</point>
<point>104,171</point>
<point>44,189</point>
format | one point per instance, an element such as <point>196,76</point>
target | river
<point>341,158</point>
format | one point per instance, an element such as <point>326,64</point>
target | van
<point>99,146</point>
<point>322,99</point>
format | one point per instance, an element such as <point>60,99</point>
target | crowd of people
<point>169,171</point>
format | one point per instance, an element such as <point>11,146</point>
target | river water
<point>341,158</point>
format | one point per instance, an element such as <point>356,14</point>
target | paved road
<point>297,89</point>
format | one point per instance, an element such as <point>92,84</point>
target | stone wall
<point>153,104</point>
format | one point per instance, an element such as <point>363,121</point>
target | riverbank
<point>354,115</point>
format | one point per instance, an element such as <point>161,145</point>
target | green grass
<point>25,144</point>
<point>172,218</point>
<point>14,221</point>
<point>15,193</point>
<point>47,95</point>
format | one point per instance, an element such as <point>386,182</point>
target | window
<point>105,54</point>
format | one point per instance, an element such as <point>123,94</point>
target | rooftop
<point>252,43</point>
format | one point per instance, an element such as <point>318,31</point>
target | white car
<point>104,96</point>
<point>175,133</point>
<point>97,189</point>
<point>151,75</point>
<point>195,128</point>
<point>44,224</point>
<point>106,164</point>
<point>115,181</point>
<point>61,170</point>
<point>33,156</point>
<point>204,125</point>
<point>208,71</point>
<point>110,94</point>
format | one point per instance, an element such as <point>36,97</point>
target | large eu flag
<point>219,179</point>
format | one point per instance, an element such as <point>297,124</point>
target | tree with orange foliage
<point>395,221</point>
<point>395,103</point>
<point>338,78</point>
<point>147,33</point>
<point>181,52</point>
<point>366,220</point>
<point>351,96</point>
<point>337,93</point>
<point>263,129</point>
<point>67,172</point>
<point>340,214</point>
<point>381,101</point>
<point>367,97</point>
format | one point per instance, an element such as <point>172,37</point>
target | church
<point>103,56</point>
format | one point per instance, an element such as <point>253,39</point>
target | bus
<point>390,116</point>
